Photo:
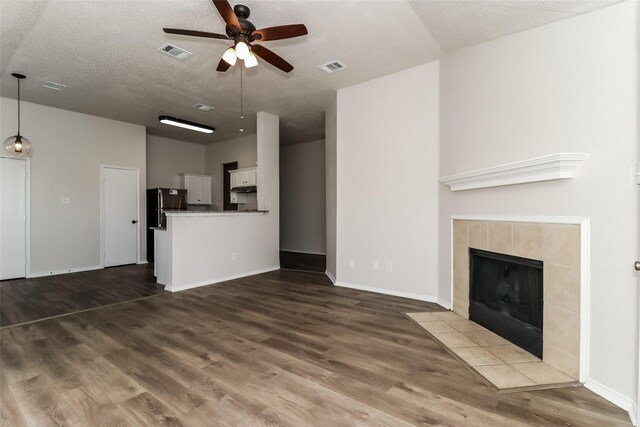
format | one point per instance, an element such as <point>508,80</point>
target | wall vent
<point>54,85</point>
<point>332,67</point>
<point>175,51</point>
<point>202,107</point>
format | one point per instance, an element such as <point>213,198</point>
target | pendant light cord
<point>18,106</point>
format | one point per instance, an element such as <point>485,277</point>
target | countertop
<point>213,213</point>
<point>208,213</point>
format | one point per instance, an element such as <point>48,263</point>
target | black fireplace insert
<point>506,297</point>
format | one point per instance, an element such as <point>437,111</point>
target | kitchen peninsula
<point>198,248</point>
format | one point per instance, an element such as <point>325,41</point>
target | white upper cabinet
<point>198,188</point>
<point>243,177</point>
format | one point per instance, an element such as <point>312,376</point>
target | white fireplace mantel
<point>537,169</point>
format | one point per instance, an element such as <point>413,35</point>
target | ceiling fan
<point>244,33</point>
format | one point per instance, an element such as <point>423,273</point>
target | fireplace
<point>561,246</point>
<point>506,297</point>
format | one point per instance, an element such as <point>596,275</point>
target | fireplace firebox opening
<point>505,296</point>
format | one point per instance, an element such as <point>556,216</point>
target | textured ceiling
<point>458,23</point>
<point>106,52</point>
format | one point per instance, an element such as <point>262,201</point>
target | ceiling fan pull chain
<point>241,106</point>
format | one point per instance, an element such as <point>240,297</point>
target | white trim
<point>451,257</point>
<point>303,252</point>
<point>613,397</point>
<point>544,168</point>
<point>137,171</point>
<point>143,262</point>
<point>444,303</point>
<point>585,269</point>
<point>514,218</point>
<point>585,298</point>
<point>66,271</point>
<point>330,276</point>
<point>192,285</point>
<point>410,295</point>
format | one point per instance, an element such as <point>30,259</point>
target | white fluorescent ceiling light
<point>172,121</point>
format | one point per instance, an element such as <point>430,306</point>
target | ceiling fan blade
<point>271,58</point>
<point>227,13</point>
<point>195,33</point>
<point>223,66</point>
<point>280,32</point>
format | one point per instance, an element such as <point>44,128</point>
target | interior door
<point>13,218</point>
<point>120,207</point>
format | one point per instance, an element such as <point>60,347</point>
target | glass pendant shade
<point>230,56</point>
<point>251,61</point>
<point>17,146</point>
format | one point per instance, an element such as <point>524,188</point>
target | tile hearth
<point>501,363</point>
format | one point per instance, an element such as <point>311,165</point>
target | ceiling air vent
<point>54,85</point>
<point>203,107</point>
<point>332,67</point>
<point>175,51</point>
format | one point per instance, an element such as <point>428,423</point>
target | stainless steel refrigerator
<point>160,200</point>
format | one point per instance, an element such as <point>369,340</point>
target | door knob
<point>636,265</point>
<point>135,221</point>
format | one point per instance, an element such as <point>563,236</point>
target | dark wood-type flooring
<point>281,348</point>
<point>302,261</point>
<point>26,300</point>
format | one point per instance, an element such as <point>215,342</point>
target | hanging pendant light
<point>17,146</point>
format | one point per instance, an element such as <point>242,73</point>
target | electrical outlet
<point>352,263</point>
<point>234,256</point>
<point>389,267</point>
<point>65,200</point>
<point>376,265</point>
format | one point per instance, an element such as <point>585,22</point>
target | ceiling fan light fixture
<point>185,124</point>
<point>242,49</point>
<point>230,56</point>
<point>251,60</point>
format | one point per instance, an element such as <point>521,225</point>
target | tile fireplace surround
<point>558,245</point>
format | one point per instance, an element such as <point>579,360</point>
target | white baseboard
<point>65,271</point>
<point>330,276</point>
<point>218,280</point>
<point>303,252</point>
<point>143,262</point>
<point>614,397</point>
<point>410,295</point>
<point>445,304</point>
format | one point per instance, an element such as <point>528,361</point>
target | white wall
<point>330,123</point>
<point>302,197</point>
<point>387,183</point>
<point>68,149</point>
<point>268,142</point>
<point>242,150</point>
<point>568,86</point>
<point>168,158</point>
